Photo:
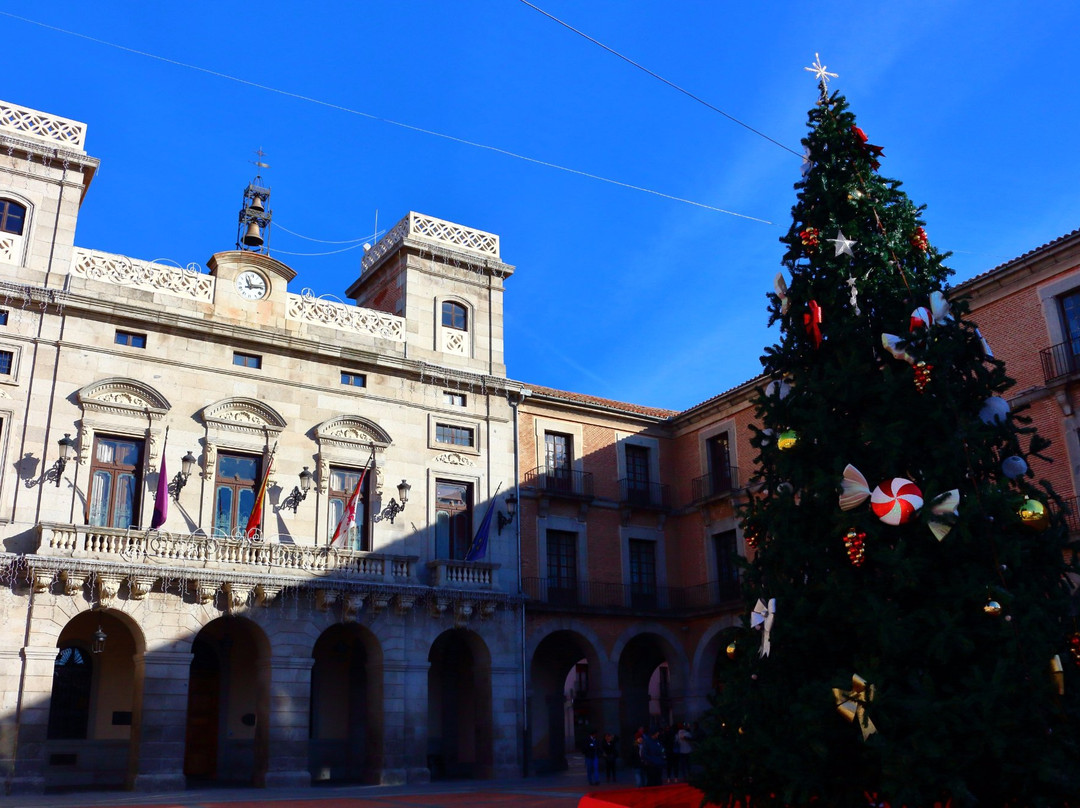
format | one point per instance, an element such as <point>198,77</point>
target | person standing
<point>609,750</point>
<point>683,747</point>
<point>592,758</point>
<point>637,757</point>
<point>654,759</point>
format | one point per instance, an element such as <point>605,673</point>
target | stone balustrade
<point>185,550</point>
<point>477,575</point>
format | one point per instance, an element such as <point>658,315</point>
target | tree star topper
<point>842,244</point>
<point>823,75</point>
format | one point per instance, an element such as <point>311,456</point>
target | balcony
<point>560,482</point>
<point>1059,361</point>
<point>638,494</point>
<point>1071,510</point>
<point>716,484</point>
<point>601,597</point>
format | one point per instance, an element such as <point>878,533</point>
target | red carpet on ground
<point>680,795</point>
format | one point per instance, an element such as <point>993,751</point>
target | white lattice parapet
<point>124,271</point>
<point>418,227</point>
<point>29,122</point>
<point>310,309</point>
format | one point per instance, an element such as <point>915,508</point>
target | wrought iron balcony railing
<point>644,494</point>
<point>1071,510</point>
<point>1059,361</point>
<point>560,482</point>
<point>715,484</point>
<point>603,596</point>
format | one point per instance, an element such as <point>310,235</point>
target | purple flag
<point>161,502</point>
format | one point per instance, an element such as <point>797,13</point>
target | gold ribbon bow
<point>852,704</point>
<point>762,617</point>
<point>1058,673</point>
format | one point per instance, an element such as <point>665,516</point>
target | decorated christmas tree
<point>908,631</point>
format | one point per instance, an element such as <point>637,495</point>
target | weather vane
<point>823,75</point>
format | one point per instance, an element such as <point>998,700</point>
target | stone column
<point>506,719</point>
<point>290,698</point>
<point>405,719</point>
<point>28,772</point>
<point>163,728</point>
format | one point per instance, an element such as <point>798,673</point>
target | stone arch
<point>346,730</point>
<point>460,719</point>
<point>567,695</point>
<point>710,650</point>
<point>243,414</point>
<point>228,711</point>
<point>645,655</point>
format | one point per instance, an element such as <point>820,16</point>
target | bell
<point>252,237</point>
<point>257,206</point>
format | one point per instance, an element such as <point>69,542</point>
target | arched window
<point>69,707</point>
<point>454,315</point>
<point>12,217</point>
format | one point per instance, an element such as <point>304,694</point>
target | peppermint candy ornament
<point>896,501</point>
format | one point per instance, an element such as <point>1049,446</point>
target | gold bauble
<point>732,650</point>
<point>787,440</point>
<point>1034,515</point>
<point>992,608</point>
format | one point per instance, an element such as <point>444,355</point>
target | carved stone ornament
<point>108,584</point>
<point>42,580</point>
<point>205,592</point>
<point>325,599</point>
<point>405,603</point>
<point>243,415</point>
<point>139,586</point>
<point>265,594</point>
<point>379,602</point>
<point>439,606</point>
<point>463,611</point>
<point>120,396</point>
<point>454,459</point>
<point>73,583</point>
<point>237,595</point>
<point>351,605</point>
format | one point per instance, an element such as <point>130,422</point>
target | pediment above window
<point>350,431</point>
<point>119,396</point>
<point>243,415</point>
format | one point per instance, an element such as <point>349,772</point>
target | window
<point>247,360</point>
<point>342,484</point>
<point>130,338</point>
<point>1070,311</point>
<point>234,493</point>
<point>727,569</point>
<point>558,457</point>
<point>12,217</point>
<point>454,435</point>
<point>4,316</point>
<point>453,519</point>
<point>637,473</point>
<point>642,574</point>
<point>7,362</point>
<point>453,399</point>
<point>115,474</point>
<point>454,315</point>
<point>353,379</point>
<point>69,706</point>
<point>562,567</point>
<point>719,458</point>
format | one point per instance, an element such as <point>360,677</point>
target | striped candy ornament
<point>895,501</point>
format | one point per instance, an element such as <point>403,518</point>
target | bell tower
<point>253,230</point>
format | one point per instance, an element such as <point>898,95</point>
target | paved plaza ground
<point>549,791</point>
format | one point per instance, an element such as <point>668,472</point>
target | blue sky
<point>617,293</point>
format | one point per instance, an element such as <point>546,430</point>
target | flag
<point>347,523</point>
<point>254,522</point>
<point>161,501</point>
<point>478,548</point>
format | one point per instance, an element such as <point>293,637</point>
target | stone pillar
<point>28,773</point>
<point>290,698</point>
<point>163,727</point>
<point>506,719</point>
<point>405,719</point>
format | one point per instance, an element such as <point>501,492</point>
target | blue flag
<point>478,548</point>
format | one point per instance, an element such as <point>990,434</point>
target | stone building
<point>202,650</point>
<point>198,651</point>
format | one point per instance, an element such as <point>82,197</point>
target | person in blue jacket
<point>592,758</point>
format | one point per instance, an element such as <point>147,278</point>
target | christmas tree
<point>908,629</point>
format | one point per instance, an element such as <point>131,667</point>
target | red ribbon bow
<point>869,149</point>
<point>812,321</point>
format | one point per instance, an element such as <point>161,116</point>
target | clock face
<point>251,285</point>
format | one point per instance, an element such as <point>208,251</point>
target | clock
<point>251,285</point>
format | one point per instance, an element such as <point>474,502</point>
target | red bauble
<point>922,375</point>
<point>919,240</point>
<point>811,237</point>
<point>1074,648</point>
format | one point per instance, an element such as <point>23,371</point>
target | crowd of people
<point>657,756</point>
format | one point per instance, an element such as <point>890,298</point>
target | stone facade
<point>271,658</point>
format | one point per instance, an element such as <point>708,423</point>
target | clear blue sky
<point>618,293</point>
